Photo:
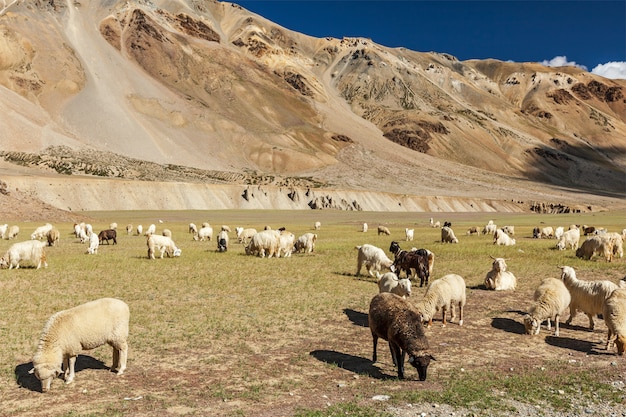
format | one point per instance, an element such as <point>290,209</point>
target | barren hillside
<point>206,94</point>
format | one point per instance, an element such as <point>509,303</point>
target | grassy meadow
<point>234,335</point>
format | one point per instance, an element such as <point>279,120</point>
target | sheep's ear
<point>491,256</point>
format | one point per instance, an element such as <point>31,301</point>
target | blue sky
<point>590,34</point>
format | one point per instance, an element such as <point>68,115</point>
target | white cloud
<point>611,70</point>
<point>561,61</point>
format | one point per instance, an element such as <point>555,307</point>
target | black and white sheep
<point>587,296</point>
<point>84,327</point>
<point>395,320</point>
<point>551,299</point>
<point>443,294</point>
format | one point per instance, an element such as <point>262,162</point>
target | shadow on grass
<point>29,381</point>
<point>508,325</point>
<point>578,345</point>
<point>350,363</point>
<point>356,317</point>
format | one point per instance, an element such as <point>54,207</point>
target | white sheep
<point>3,230</point>
<point>305,243</point>
<point>225,228</point>
<point>129,229</point>
<point>83,237</point>
<point>113,226</point>
<point>94,243</point>
<point>53,237</point>
<point>374,258</point>
<point>29,250</point>
<point>499,278</point>
<point>41,231</point>
<point>389,282</point>
<point>587,296</point>
<point>84,327</point>
<point>286,242</point>
<point>614,313</point>
<point>617,242</point>
<point>163,244</point>
<point>77,228</point>
<point>558,232</point>
<point>244,235</point>
<point>546,232</point>
<point>569,239</point>
<point>13,232</point>
<point>502,239</point>
<point>88,228</point>
<point>193,229</point>
<point>166,232</point>
<point>139,230</point>
<point>593,245</point>
<point>551,299</point>
<point>264,242</point>
<point>364,227</point>
<point>317,225</point>
<point>509,230</point>
<point>151,230</point>
<point>205,233</point>
<point>443,294</point>
<point>473,230</point>
<point>409,233</point>
<point>383,230</point>
<point>434,223</point>
<point>489,229</point>
<point>447,235</point>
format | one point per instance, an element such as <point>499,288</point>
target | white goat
<point>499,278</point>
<point>41,231</point>
<point>374,258</point>
<point>447,235</point>
<point>551,299</point>
<point>587,296</point>
<point>30,250</point>
<point>13,232</point>
<point>244,235</point>
<point>306,243</point>
<point>502,239</point>
<point>94,243</point>
<point>569,239</point>
<point>443,294</point>
<point>205,233</point>
<point>409,233</point>
<point>163,244</point>
<point>389,282</point>
<point>286,244</point>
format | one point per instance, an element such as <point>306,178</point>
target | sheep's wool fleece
<point>390,315</point>
<point>615,312</point>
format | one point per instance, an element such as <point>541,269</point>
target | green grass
<point>213,329</point>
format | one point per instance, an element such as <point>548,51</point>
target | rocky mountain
<point>206,92</point>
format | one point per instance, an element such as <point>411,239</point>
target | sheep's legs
<point>69,368</point>
<point>556,325</point>
<point>375,340</point>
<point>460,314</point>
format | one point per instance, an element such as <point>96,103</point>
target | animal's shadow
<point>356,317</point>
<point>350,363</point>
<point>29,381</point>
<point>508,325</point>
<point>578,345</point>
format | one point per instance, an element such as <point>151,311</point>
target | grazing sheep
<point>509,230</point>
<point>13,232</point>
<point>502,239</point>
<point>442,294</point>
<point>499,278</point>
<point>306,243</point>
<point>94,242</point>
<point>419,260</point>
<point>264,242</point>
<point>447,235</point>
<point>383,230</point>
<point>53,236</point>
<point>374,258</point>
<point>139,230</point>
<point>474,230</point>
<point>193,229</point>
<point>546,232</point>
<point>244,235</point>
<point>489,229</point>
<point>286,242</point>
<point>113,226</point>
<point>409,233</point>
<point>163,244</point>
<point>3,230</point>
<point>593,245</point>
<point>551,299</point>
<point>364,227</point>
<point>614,313</point>
<point>222,241</point>
<point>29,250</point>
<point>569,239</point>
<point>41,232</point>
<point>205,232</point>
<point>395,320</point>
<point>317,226</point>
<point>78,227</point>
<point>617,242</point>
<point>82,236</point>
<point>84,327</point>
<point>536,232</point>
<point>587,296</point>
<point>558,232</point>
<point>389,282</point>
<point>434,223</point>
<point>129,229</point>
<point>151,230</point>
<point>109,234</point>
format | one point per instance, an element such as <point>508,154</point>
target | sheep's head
<point>567,273</point>
<point>499,264</point>
<point>177,252</point>
<point>46,373</point>
<point>421,362</point>
<point>620,342</point>
<point>531,324</point>
<point>4,263</point>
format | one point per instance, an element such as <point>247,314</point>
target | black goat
<point>419,260</point>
